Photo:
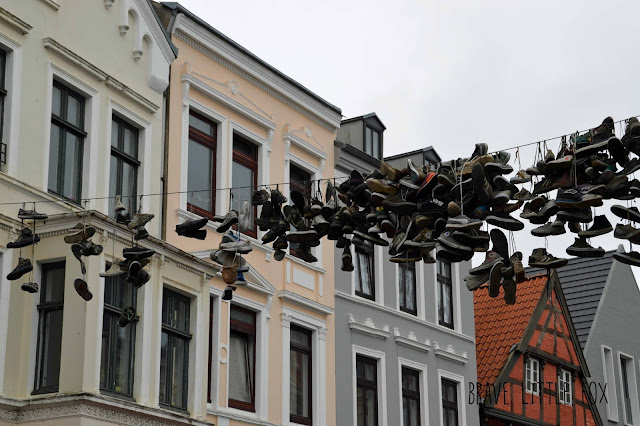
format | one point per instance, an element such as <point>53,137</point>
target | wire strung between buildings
<point>318,181</point>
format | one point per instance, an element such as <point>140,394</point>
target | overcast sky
<point>450,74</point>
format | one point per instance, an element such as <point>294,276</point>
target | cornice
<point>368,328</point>
<point>450,354</point>
<point>16,23</point>
<point>100,75</point>
<point>304,145</point>
<point>304,302</point>
<point>182,30</point>
<point>156,31</point>
<point>411,341</point>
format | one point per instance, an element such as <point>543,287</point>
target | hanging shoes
<point>139,220</point>
<point>82,289</point>
<point>84,233</point>
<point>128,314</point>
<point>31,215</point>
<point>24,266</point>
<point>26,238</point>
<point>119,206</point>
<point>113,271</point>
<point>29,287</point>
<point>229,220</point>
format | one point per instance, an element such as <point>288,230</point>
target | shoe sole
<point>627,260</point>
<point>500,243</point>
<point>595,233</point>
<point>558,263</point>
<point>478,179</point>
<point>566,204</point>
<point>585,252</point>
<point>548,233</point>
<point>475,281</point>
<point>509,291</point>
<point>624,213</point>
<point>504,223</point>
<point>17,273</point>
<point>494,279</point>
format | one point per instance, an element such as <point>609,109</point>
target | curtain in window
<point>240,368</point>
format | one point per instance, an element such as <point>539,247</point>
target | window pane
<point>51,341</point>
<point>299,384</point>
<point>129,183</point>
<point>370,372</point>
<point>300,337</point>
<point>130,143</point>
<point>376,144</point>
<point>74,111</point>
<point>56,103</point>
<point>245,148</point>
<point>242,180</point>
<point>179,355</point>
<point>242,316</point>
<point>164,354</point>
<point>401,286</point>
<point>200,125</point>
<point>180,314</point>
<point>241,354</point>
<point>364,273</point>
<point>367,141</point>
<point>72,167</point>
<point>115,128</point>
<point>54,285</point>
<point>446,311</point>
<point>370,411</point>
<point>105,359</point>
<point>410,381</point>
<point>360,406</point>
<point>113,184</point>
<point>199,176</point>
<point>54,152</point>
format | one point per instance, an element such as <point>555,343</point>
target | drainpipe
<point>165,159</point>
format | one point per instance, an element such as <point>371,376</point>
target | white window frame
<point>424,397</point>
<point>91,144</point>
<point>13,82</point>
<point>456,279</point>
<point>565,387</point>
<point>420,280</point>
<point>377,279</point>
<point>532,368</point>
<point>318,364</point>
<point>144,152</point>
<point>610,383</point>
<point>214,334</point>
<point>462,412</point>
<point>381,372</point>
<point>633,387</point>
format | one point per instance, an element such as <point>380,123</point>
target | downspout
<point>165,159</point>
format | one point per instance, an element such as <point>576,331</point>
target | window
<point>116,366</point>
<point>299,180</point>
<point>445,294</point>
<point>367,391</point>
<point>201,176</point>
<point>610,382</point>
<point>300,376</point>
<point>242,359</point>
<point>532,376</point>
<point>244,177</point>
<point>67,143</point>
<point>3,96</point>
<point>407,287</point>
<point>50,328</point>
<point>565,382</point>
<point>364,272</point>
<point>449,402</point>
<point>373,142</point>
<point>123,169</point>
<point>410,397</point>
<point>174,350</point>
<point>626,394</point>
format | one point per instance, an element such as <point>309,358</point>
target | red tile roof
<point>499,326</point>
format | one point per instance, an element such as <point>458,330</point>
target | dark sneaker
<point>123,217</point>
<point>541,259</point>
<point>277,197</point>
<point>280,243</point>
<point>128,314</point>
<point>504,221</point>
<point>523,195</point>
<point>574,227</point>
<point>82,289</point>
<point>485,267</point>
<point>372,238</point>
<point>191,225</point>
<point>140,279</point>
<point>279,255</point>
<point>143,234</point>
<point>297,199</point>
<point>227,294</point>
<point>472,238</point>
<point>582,215</point>
<point>259,197</point>
<point>626,232</point>
<point>399,205</point>
<point>137,253</point>
<point>500,243</point>
<point>391,172</point>
<point>31,215</point>
<point>550,228</point>
<point>382,186</point>
<point>432,206</point>
<point>481,187</point>
<point>305,254</point>
<point>302,236</point>
<point>89,248</point>
<point>25,239</point>
<point>140,219</point>
<point>572,198</point>
<point>230,219</point>
<point>521,177</point>
<point>632,258</point>
<point>509,291</point>
<point>407,257</point>
<point>600,226</point>
<point>24,266</point>
<point>445,253</point>
<point>495,277</point>
<point>293,216</point>
<point>199,234</point>
<point>493,169</point>
<point>447,240</point>
<point>29,287</point>
<point>280,228</point>
<point>475,281</point>
<point>581,248</point>
<point>632,166</point>
<point>617,151</point>
<point>622,212</point>
<point>347,260</point>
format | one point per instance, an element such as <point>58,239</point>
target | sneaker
<point>448,254</point>
<point>89,248</point>
<point>476,239</point>
<point>632,258</point>
<point>391,172</point>
<point>230,273</point>
<point>407,257</point>
<point>630,213</point>
<point>541,259</point>
<point>237,246</point>
<point>399,205</point>
<point>230,219</point>
<point>123,217</point>
<point>505,221</point>
<point>259,197</point>
<point>521,177</point>
<point>199,234</point>
<point>279,255</point>
<point>481,187</point>
<point>574,227</point>
<point>447,240</point>
<point>128,314</point>
<point>137,253</point>
<point>581,248</point>
<point>29,287</point>
<point>143,234</point>
<point>140,219</point>
<point>24,266</point>
<point>518,268</point>
<point>382,186</point>
<point>550,228</point>
<point>415,172</point>
<point>509,291</point>
<point>475,281</point>
<point>572,198</point>
<point>559,165</point>
<point>632,166</point>
<point>485,267</point>
<point>500,243</point>
<point>191,225</point>
<point>302,236</point>
<point>305,254</point>
<point>113,271</point>
<point>495,276</point>
<point>463,223</point>
<point>25,239</point>
<point>31,215</point>
<point>240,280</point>
<point>227,294</point>
<point>280,228</point>
<point>617,151</point>
<point>626,232</point>
<point>600,226</point>
<point>82,289</point>
<point>582,215</point>
<point>119,206</point>
<point>453,209</point>
<point>347,260</point>
<point>502,184</point>
<point>523,195</point>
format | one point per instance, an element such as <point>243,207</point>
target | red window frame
<point>251,163</point>
<point>209,141</point>
<point>245,329</point>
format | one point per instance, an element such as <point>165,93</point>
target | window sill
<point>313,266</point>
<point>238,415</point>
<point>182,411</point>
<point>117,395</point>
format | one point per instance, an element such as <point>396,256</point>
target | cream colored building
<point>233,116</point>
<point>83,118</point>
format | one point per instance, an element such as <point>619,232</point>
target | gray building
<point>405,337</point>
<point>604,302</point>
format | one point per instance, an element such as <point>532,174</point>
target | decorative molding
<point>108,4</point>
<point>305,146</point>
<point>52,4</point>
<point>181,34</point>
<point>450,354</point>
<point>322,333</point>
<point>368,328</point>
<point>411,341</point>
<point>225,100</point>
<point>267,307</point>
<point>157,32</point>
<point>137,54</point>
<point>99,74</point>
<point>304,302</point>
<point>286,320</point>
<point>15,22</point>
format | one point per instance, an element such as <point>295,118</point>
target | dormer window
<point>373,142</point>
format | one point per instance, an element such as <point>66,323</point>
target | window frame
<point>369,252</point>
<point>367,384</point>
<point>122,157</point>
<point>409,394</point>
<point>114,312</point>
<point>565,387</point>
<point>446,404</point>
<point>308,351</point>
<point>364,144</point>
<point>245,329</point>
<point>627,387</point>
<point>67,127</point>
<point>176,333</point>
<point>402,274</point>
<point>210,142</point>
<point>532,386</point>
<point>443,281</point>
<point>3,98</point>
<point>250,163</point>
<point>44,308</point>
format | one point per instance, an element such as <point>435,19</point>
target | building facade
<point>240,123</point>
<point>404,334</point>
